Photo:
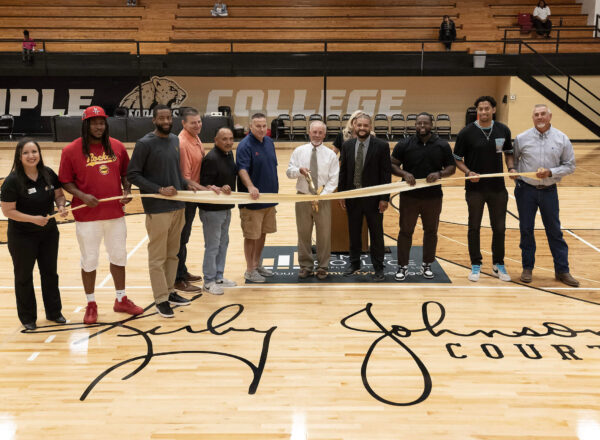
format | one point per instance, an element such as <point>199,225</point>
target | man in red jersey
<point>94,167</point>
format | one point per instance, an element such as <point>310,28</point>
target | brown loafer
<point>567,279</point>
<point>305,273</point>
<point>184,286</point>
<point>322,273</point>
<point>189,277</point>
<point>526,275</point>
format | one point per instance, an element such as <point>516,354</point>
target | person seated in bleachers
<point>542,23</point>
<point>28,48</point>
<point>219,10</point>
<point>447,32</point>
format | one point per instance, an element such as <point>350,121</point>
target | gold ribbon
<point>244,198</point>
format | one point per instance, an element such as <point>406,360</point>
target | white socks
<point>120,295</point>
<point>90,297</point>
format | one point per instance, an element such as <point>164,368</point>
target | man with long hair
<point>94,167</point>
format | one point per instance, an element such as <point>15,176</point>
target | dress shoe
<point>184,286</point>
<point>567,279</point>
<point>351,271</point>
<point>378,277</point>
<point>189,277</point>
<point>305,273</point>
<point>527,275</point>
<point>60,320</point>
<point>30,326</point>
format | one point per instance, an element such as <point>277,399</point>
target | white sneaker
<point>264,272</point>
<point>226,283</point>
<point>254,276</point>
<point>213,288</point>
<point>475,271</point>
<point>500,271</point>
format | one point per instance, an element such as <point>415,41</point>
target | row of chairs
<point>390,128</point>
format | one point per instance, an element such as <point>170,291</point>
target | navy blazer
<point>377,167</point>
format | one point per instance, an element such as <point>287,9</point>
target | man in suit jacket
<point>365,161</point>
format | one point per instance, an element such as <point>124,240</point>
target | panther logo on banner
<point>159,90</point>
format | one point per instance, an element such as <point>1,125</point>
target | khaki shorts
<point>256,222</point>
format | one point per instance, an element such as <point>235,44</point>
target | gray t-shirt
<point>154,164</point>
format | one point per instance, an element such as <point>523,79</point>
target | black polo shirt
<point>36,198</point>
<point>218,168</point>
<point>476,146</point>
<point>421,159</point>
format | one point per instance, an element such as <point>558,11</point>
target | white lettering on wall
<point>22,99</point>
<point>2,101</point>
<point>299,103</point>
<point>214,96</point>
<point>79,99</point>
<point>358,100</point>
<point>335,101</point>
<point>273,103</point>
<point>248,101</point>
<point>389,103</point>
<point>48,104</point>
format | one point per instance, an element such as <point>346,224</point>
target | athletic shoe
<point>127,306</point>
<point>213,288</point>
<point>164,309</point>
<point>500,271</point>
<point>178,300</point>
<point>401,273</point>
<point>427,272</point>
<point>378,276</point>
<point>226,283</point>
<point>254,276</point>
<point>91,313</point>
<point>264,272</point>
<point>475,272</point>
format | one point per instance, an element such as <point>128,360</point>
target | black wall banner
<point>34,101</point>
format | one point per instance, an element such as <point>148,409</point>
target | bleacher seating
<point>166,23</point>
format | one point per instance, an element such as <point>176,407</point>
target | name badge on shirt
<point>31,191</point>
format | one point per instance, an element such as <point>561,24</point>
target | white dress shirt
<point>329,168</point>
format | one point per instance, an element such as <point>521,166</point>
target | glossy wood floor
<point>486,360</point>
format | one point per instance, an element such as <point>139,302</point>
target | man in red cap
<point>94,167</point>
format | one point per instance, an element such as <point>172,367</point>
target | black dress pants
<point>429,209</point>
<point>25,249</point>
<point>357,209</point>
<point>496,202</point>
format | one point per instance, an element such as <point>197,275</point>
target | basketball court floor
<point>413,360</point>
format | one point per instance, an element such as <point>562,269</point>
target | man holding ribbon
<point>549,151</point>
<point>315,166</point>
<point>478,150</point>
<point>422,156</point>
<point>365,161</point>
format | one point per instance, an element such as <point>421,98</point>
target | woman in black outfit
<point>28,195</point>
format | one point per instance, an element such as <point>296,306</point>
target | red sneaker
<point>127,306</point>
<point>91,313</point>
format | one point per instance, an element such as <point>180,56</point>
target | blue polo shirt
<point>259,160</point>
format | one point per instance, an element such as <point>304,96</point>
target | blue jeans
<point>529,199</point>
<point>215,225</point>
